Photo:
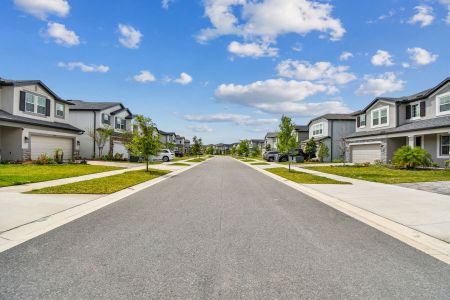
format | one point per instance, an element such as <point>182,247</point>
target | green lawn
<point>196,160</point>
<point>385,175</point>
<point>27,173</point>
<point>104,185</point>
<point>179,164</point>
<point>247,160</point>
<point>301,177</point>
<point>259,163</point>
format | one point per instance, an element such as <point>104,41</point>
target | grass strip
<point>195,160</point>
<point>301,177</point>
<point>179,164</point>
<point>259,164</point>
<point>104,185</point>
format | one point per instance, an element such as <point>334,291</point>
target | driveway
<point>220,230</point>
<point>438,187</point>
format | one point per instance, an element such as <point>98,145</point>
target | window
<point>35,104</point>
<point>415,111</point>
<point>418,141</point>
<point>120,123</point>
<point>443,104</point>
<point>380,117</point>
<point>317,129</point>
<point>105,119</point>
<point>60,110</point>
<point>444,145</point>
<point>362,121</point>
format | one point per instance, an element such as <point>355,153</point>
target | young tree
<point>255,151</point>
<point>145,141</point>
<point>310,148</point>
<point>323,151</point>
<point>196,148</point>
<point>233,150</point>
<point>100,137</point>
<point>244,148</point>
<point>287,142</point>
<point>210,149</point>
<point>171,146</point>
<point>268,148</point>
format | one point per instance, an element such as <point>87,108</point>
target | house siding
<point>340,129</point>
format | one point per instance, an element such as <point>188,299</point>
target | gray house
<point>331,129</point>
<point>302,132</point>
<point>34,121</point>
<point>271,139</point>
<point>386,124</point>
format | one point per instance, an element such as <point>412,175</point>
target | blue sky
<point>226,70</point>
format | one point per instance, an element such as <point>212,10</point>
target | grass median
<point>194,160</point>
<point>259,164</point>
<point>301,177</point>
<point>104,185</point>
<point>179,164</point>
<point>28,173</point>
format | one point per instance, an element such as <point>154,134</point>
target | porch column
<point>411,141</point>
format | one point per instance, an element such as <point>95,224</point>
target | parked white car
<point>165,155</point>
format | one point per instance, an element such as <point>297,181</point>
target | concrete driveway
<point>219,231</point>
<point>438,187</point>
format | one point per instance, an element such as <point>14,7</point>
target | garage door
<point>120,148</point>
<point>48,144</point>
<point>366,153</point>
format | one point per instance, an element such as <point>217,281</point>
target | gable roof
<point>7,82</point>
<point>405,99</point>
<point>301,128</point>
<point>333,117</point>
<point>93,106</point>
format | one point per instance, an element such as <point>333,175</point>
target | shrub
<point>378,163</point>
<point>118,156</point>
<point>59,155</point>
<point>323,151</point>
<point>310,149</point>
<point>411,158</point>
<point>43,159</point>
<point>447,163</point>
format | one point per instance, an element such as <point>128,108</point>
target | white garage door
<point>366,153</point>
<point>48,144</point>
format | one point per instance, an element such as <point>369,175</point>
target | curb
<point>416,239</point>
<point>18,235</point>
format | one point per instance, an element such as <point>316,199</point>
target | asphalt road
<point>220,230</point>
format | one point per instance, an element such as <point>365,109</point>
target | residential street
<point>220,230</point>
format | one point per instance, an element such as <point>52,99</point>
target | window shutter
<point>22,101</point>
<point>115,123</point>
<point>408,112</point>
<point>358,121</point>
<point>47,107</point>
<point>422,109</point>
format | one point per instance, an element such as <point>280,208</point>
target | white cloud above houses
<point>237,119</point>
<point>43,8</point>
<point>381,84</point>
<point>323,72</point>
<point>421,56</point>
<point>382,58</point>
<point>144,76</point>
<point>266,20</point>
<point>129,36</point>
<point>85,68</point>
<point>252,49</point>
<point>166,3</point>
<point>346,55</point>
<point>424,16</point>
<point>184,79</point>
<point>200,128</point>
<point>61,35</point>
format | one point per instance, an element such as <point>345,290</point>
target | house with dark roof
<point>271,139</point>
<point>168,139</point>
<point>302,132</point>
<point>257,144</point>
<point>331,130</point>
<point>180,144</point>
<point>92,116</point>
<point>34,120</point>
<point>386,124</point>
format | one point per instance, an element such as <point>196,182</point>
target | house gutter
<point>95,128</point>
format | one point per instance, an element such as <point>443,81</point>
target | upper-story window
<point>415,111</point>
<point>362,121</point>
<point>380,117</point>
<point>120,123</point>
<point>106,119</point>
<point>59,110</point>
<point>443,104</point>
<point>35,104</point>
<point>317,129</point>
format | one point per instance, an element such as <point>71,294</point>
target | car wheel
<point>270,159</point>
<point>165,159</point>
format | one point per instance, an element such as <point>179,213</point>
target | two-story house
<point>168,139</point>
<point>34,121</point>
<point>386,124</point>
<point>257,144</point>
<point>187,147</point>
<point>179,143</point>
<point>302,132</point>
<point>92,116</point>
<point>271,139</point>
<point>331,130</point>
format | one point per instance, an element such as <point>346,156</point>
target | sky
<point>226,70</point>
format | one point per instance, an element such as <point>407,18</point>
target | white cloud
<point>421,56</point>
<point>405,65</point>
<point>251,49</point>
<point>184,79</point>
<point>381,84</point>
<point>129,36</point>
<point>424,15</point>
<point>62,35</point>
<point>345,56</point>
<point>144,76</point>
<point>230,118</point>
<point>447,20</point>
<point>321,71</point>
<point>84,67</point>
<point>165,3</point>
<point>200,128</point>
<point>267,19</point>
<point>382,58</point>
<point>43,8</point>
<point>279,96</point>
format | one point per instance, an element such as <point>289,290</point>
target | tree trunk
<point>147,163</point>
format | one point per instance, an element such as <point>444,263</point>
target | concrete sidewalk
<point>423,211</point>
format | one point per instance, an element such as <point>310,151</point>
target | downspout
<point>331,142</point>
<point>95,128</point>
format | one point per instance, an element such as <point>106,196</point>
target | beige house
<point>34,121</point>
<point>386,124</point>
